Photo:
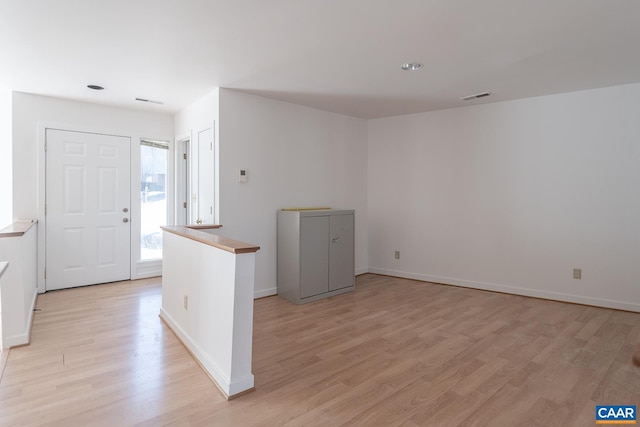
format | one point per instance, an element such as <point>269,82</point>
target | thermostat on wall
<point>243,175</point>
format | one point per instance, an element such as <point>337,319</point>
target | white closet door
<point>205,176</point>
<point>88,228</point>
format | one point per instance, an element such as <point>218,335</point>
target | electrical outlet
<point>397,255</point>
<point>186,302</point>
<point>577,273</point>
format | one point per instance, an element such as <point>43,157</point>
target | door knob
<point>125,219</point>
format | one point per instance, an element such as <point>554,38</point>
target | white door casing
<point>182,182</point>
<point>88,232</point>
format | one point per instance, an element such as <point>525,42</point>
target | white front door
<point>88,237</point>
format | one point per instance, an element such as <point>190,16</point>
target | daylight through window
<point>153,197</point>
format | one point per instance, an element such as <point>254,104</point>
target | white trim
<point>360,271</point>
<point>182,181</point>
<point>555,296</point>
<point>216,174</point>
<point>215,373</point>
<point>170,185</point>
<point>134,205</point>
<point>41,194</point>
<point>25,337</point>
<point>265,293</point>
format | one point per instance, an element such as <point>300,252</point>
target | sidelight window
<point>153,197</point>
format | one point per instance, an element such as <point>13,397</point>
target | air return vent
<point>477,95</point>
<point>149,100</point>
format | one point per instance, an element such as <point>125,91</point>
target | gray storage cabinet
<point>315,254</point>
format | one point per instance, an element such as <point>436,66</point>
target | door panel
<point>341,272</point>
<point>205,176</point>
<point>74,185</point>
<point>88,237</point>
<point>107,238</point>
<point>314,255</point>
<point>72,248</point>
<point>107,190</point>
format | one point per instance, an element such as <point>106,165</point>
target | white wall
<point>32,112</point>
<point>216,325</point>
<point>198,115</point>
<point>6,207</point>
<point>512,196</point>
<point>29,111</point>
<point>295,156</point>
<point>19,286</point>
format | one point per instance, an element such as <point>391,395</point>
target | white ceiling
<point>336,55</point>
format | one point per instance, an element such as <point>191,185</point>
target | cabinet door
<point>314,255</point>
<point>341,258</point>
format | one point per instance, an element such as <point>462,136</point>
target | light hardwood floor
<point>394,352</point>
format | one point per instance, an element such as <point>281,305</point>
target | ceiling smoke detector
<point>412,66</point>
<point>476,96</point>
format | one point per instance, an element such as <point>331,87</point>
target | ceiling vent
<point>149,100</point>
<point>477,95</point>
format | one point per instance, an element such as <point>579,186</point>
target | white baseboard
<point>15,340</point>
<point>24,337</point>
<point>209,365</point>
<point>265,293</point>
<point>34,299</point>
<point>536,293</point>
<point>360,271</point>
<point>228,387</point>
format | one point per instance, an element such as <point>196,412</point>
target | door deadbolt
<point>125,209</point>
<point>125,219</point>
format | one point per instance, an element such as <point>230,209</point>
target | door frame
<point>183,181</point>
<point>137,268</point>
<point>108,197</point>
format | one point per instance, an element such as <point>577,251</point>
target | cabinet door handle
<point>335,239</point>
